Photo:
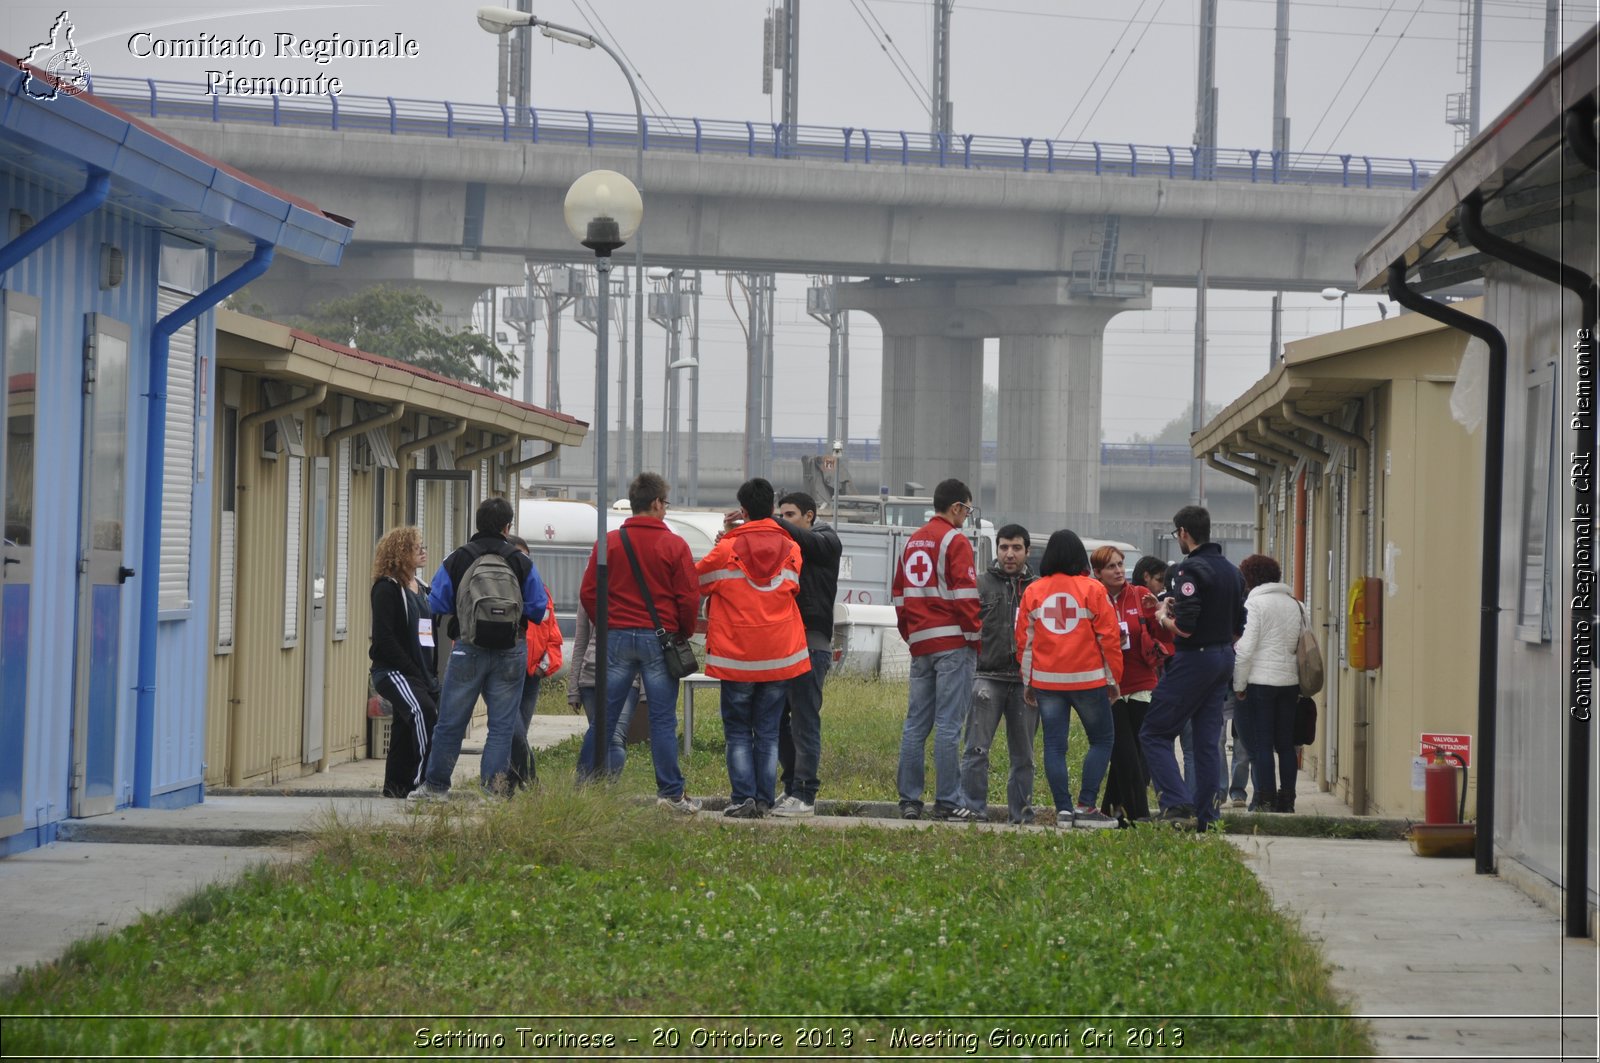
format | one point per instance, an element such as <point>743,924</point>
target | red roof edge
<point>426,374</point>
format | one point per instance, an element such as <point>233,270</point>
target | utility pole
<point>1205,119</point>
<point>942,116</point>
<point>757,400</point>
<point>780,50</point>
<point>1461,109</point>
<point>1280,84</point>
<point>694,394</point>
<point>1552,28</point>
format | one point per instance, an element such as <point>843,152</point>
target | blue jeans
<point>750,727</point>
<point>1192,687</point>
<point>618,726</point>
<point>632,652</point>
<point>497,675</point>
<point>1094,710</point>
<point>1235,771</point>
<point>992,700</point>
<point>800,729</point>
<point>941,694</point>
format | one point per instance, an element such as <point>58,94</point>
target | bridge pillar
<point>1048,469</point>
<point>453,279</point>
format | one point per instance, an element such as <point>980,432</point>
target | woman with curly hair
<point>404,667</point>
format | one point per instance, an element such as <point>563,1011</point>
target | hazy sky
<point>1365,76</point>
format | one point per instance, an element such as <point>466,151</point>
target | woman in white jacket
<point>1266,678</point>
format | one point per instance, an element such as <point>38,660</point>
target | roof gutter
<point>1489,574</point>
<point>150,553</point>
<point>57,221</point>
<point>1576,880</point>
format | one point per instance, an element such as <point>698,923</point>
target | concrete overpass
<point>1040,252</point>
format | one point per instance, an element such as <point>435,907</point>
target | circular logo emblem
<point>1187,589</point>
<point>71,71</point>
<point>919,569</point>
<point>1059,613</point>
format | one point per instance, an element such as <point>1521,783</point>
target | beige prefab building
<point>318,450</point>
<point>1366,479</point>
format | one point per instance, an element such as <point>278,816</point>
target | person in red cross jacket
<point>935,595</point>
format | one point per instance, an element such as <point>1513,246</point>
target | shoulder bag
<point>675,649</point>
<point>1308,656</point>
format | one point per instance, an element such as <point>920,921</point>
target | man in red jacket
<point>632,648</point>
<point>936,600</point>
<point>755,641</point>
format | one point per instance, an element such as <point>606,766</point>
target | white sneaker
<point>791,807</point>
<point>681,804</point>
<point>1064,818</point>
<point>426,792</point>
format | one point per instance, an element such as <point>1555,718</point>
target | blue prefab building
<point>108,238</point>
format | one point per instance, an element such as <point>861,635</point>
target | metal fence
<point>398,115</point>
<point>1122,454</point>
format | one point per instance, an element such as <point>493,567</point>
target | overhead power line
<point>912,83</point>
<point>1351,72</point>
<point>1096,77</point>
<point>655,106</point>
<point>1114,78</point>
<point>1366,96</point>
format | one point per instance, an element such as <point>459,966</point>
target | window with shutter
<point>341,543</point>
<point>177,477</point>
<point>294,487</point>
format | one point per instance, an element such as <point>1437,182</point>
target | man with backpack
<point>490,591</point>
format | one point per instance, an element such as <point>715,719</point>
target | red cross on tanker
<point>1060,613</point>
<point>919,569</point>
<point>549,531</point>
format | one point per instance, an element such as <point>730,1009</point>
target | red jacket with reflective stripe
<point>751,579</point>
<point>936,590</point>
<point>1067,634</point>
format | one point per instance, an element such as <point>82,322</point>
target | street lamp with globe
<point>603,210</point>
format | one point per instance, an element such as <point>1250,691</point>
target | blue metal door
<point>19,363</point>
<point>101,567</point>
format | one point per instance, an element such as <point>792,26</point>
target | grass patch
<point>861,724</point>
<point>568,903</point>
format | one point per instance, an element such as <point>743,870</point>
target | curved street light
<point>502,20</point>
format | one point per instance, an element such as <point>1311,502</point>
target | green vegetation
<point>568,903</point>
<point>571,912</point>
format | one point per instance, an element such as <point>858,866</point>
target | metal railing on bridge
<point>397,115</point>
<point>786,448</point>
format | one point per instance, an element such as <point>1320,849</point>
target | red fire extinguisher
<point>1440,781</point>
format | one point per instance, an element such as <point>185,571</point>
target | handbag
<point>1305,721</point>
<point>1308,657</point>
<point>675,649</point>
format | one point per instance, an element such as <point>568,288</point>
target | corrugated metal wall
<point>1540,323</point>
<point>65,276</point>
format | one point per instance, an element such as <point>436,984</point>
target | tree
<point>1177,430</point>
<point>399,323</point>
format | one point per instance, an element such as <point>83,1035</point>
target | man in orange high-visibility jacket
<point>755,641</point>
<point>936,600</point>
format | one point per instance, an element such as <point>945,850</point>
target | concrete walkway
<point>1443,963</point>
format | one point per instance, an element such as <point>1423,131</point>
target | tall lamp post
<point>1340,294</point>
<point>602,210</point>
<point>502,20</point>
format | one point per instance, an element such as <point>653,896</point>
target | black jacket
<point>820,551</point>
<point>395,646</point>
<point>1207,598</point>
<point>999,597</point>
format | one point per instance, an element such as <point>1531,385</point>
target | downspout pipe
<point>349,431</point>
<point>1576,879</point>
<point>1232,470</point>
<point>1265,469</point>
<point>150,554</point>
<point>537,459</point>
<point>57,221</point>
<point>238,747</point>
<point>455,431</point>
<point>1329,432</point>
<point>1579,128</point>
<point>1288,442</point>
<point>1494,444</point>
